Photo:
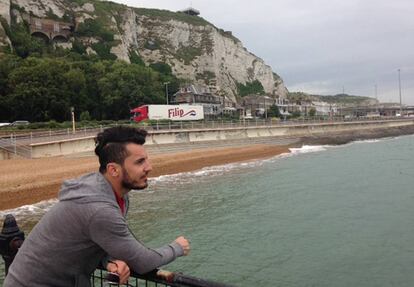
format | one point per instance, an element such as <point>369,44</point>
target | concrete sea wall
<point>86,144</point>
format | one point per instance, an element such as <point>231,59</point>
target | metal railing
<point>154,278</point>
<point>17,148</point>
<point>60,134</point>
<point>12,238</point>
<point>19,143</point>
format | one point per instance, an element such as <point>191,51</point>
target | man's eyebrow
<point>141,159</point>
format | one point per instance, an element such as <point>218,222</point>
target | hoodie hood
<point>92,187</point>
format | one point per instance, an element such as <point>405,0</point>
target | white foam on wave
<point>369,141</point>
<point>211,171</point>
<point>308,149</point>
<point>27,210</point>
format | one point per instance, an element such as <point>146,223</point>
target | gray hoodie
<point>86,225</point>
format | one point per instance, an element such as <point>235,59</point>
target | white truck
<point>168,112</point>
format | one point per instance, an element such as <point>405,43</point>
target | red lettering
<point>170,113</point>
<point>176,112</point>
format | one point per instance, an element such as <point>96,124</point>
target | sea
<point>319,216</point>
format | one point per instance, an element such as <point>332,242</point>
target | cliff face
<point>5,13</point>
<point>195,49</point>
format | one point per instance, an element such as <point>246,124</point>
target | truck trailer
<point>168,112</point>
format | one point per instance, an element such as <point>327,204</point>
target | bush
<point>273,111</point>
<point>312,112</point>
<point>136,59</point>
<point>85,116</point>
<point>53,124</point>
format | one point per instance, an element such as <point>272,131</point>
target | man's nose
<point>148,167</point>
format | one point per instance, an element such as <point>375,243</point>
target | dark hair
<point>110,145</point>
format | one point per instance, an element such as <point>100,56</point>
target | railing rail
<point>19,143</point>
<point>12,238</point>
<point>36,136</point>
<point>12,146</point>
<point>154,278</point>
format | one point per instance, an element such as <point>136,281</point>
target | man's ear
<point>112,169</point>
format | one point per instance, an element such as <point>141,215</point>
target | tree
<point>23,43</point>
<point>312,112</point>
<point>127,86</point>
<point>273,111</point>
<point>38,91</point>
<point>7,64</point>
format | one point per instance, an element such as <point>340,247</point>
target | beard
<point>128,183</point>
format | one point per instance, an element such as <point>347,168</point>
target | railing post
<point>13,141</point>
<point>11,238</point>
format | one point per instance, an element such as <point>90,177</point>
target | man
<point>88,226</point>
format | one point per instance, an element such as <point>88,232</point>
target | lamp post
<point>72,111</point>
<point>166,90</point>
<point>399,85</point>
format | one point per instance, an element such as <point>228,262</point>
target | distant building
<point>201,95</point>
<point>324,108</point>
<point>285,108</point>
<point>190,11</point>
<point>256,104</point>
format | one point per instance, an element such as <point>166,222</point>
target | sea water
<point>320,216</point>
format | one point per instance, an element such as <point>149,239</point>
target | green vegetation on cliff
<point>250,88</point>
<point>43,89</point>
<point>345,99</point>
<point>165,15</point>
<point>41,82</point>
<point>337,99</point>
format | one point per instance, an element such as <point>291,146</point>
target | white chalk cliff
<point>195,49</point>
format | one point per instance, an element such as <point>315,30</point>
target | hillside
<point>343,99</point>
<point>193,48</point>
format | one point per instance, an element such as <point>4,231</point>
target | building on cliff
<point>49,30</point>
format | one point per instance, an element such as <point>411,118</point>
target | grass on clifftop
<point>166,15</point>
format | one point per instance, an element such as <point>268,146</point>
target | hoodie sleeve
<point>109,230</point>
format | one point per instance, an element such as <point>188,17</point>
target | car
<point>4,124</point>
<point>20,123</point>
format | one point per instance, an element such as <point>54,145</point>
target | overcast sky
<point>321,46</point>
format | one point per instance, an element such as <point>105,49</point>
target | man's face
<point>135,168</point>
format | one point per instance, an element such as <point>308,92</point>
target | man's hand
<point>121,268</point>
<point>185,244</point>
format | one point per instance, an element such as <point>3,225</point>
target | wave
<point>28,210</point>
<point>308,149</point>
